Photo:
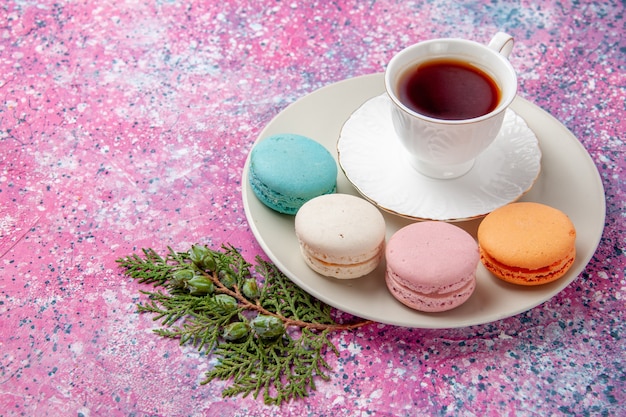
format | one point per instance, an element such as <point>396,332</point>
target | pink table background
<point>126,124</point>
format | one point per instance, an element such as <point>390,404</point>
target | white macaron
<point>341,235</point>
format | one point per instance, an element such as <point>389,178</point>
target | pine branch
<point>215,303</point>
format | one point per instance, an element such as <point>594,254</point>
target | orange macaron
<point>527,243</point>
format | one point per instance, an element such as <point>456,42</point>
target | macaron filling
<point>430,290</point>
<point>433,299</point>
<point>288,204</point>
<point>342,268</point>
<point>529,275</point>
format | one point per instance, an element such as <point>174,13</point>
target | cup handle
<point>503,43</point>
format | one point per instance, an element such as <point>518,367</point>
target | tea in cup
<point>449,97</point>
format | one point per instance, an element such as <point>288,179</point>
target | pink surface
<point>126,125</point>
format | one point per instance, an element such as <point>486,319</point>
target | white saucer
<point>568,181</point>
<point>374,161</point>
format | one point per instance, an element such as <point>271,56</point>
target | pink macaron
<point>431,266</point>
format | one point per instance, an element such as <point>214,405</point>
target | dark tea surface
<point>448,89</point>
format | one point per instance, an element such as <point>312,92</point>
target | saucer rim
<point>449,219</point>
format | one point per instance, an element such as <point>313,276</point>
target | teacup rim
<point>505,102</point>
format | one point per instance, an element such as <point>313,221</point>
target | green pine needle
<point>270,337</point>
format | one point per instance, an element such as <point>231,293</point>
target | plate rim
<point>432,322</point>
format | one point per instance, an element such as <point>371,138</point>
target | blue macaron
<point>287,170</point>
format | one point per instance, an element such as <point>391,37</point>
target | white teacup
<point>438,146</point>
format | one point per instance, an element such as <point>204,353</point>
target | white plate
<point>568,181</point>
<point>373,160</point>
